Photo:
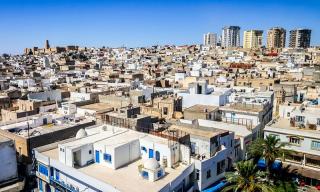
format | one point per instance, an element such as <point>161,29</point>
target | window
<point>294,140</point>
<point>197,174</point>
<point>318,121</point>
<point>288,114</point>
<point>300,118</point>
<point>165,110</point>
<point>90,152</point>
<point>159,173</point>
<point>43,169</point>
<point>51,172</point>
<point>315,145</point>
<point>157,155</point>
<point>145,175</point>
<point>107,157</point>
<point>208,174</point>
<point>220,167</point>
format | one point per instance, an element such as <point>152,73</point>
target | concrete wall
<point>193,99</point>
<point>8,166</point>
<point>54,95</point>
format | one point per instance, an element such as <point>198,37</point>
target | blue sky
<point>28,23</point>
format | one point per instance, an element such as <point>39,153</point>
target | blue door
<point>57,175</point>
<point>97,157</point>
<point>157,155</point>
<point>40,185</point>
<point>150,153</point>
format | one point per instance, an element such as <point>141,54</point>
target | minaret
<point>47,45</point>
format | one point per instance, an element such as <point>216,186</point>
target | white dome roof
<point>81,134</point>
<point>151,164</point>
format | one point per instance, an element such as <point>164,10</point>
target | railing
<point>62,184</point>
<point>238,121</point>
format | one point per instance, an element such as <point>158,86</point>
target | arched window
<point>157,155</point>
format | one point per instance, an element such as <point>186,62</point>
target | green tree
<point>247,178</point>
<point>269,148</point>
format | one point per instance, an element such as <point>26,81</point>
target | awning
<point>276,165</point>
<point>217,187</point>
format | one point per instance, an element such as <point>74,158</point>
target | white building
<point>108,158</point>
<point>210,39</point>
<point>199,93</point>
<point>299,125</point>
<point>230,36</point>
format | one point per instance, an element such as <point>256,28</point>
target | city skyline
<point>143,23</point>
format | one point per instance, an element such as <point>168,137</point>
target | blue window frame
<point>97,156</point>
<point>157,155</point>
<point>150,153</point>
<point>43,169</point>
<point>145,175</point>
<point>315,145</point>
<point>107,157</point>
<point>57,174</point>
<point>40,185</point>
<point>159,173</point>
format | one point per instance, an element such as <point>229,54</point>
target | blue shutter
<point>43,169</point>
<point>97,157</point>
<point>150,153</point>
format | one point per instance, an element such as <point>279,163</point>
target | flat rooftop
<point>282,125</point>
<point>239,130</point>
<point>99,107</point>
<point>201,108</point>
<point>43,129</point>
<point>126,178</point>
<point>197,131</point>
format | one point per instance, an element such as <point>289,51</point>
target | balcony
<point>62,184</point>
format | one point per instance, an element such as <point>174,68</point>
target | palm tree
<point>269,148</point>
<point>247,178</point>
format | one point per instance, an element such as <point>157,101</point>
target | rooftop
<point>201,108</point>
<point>99,107</point>
<point>282,125</point>
<point>197,131</point>
<point>126,178</point>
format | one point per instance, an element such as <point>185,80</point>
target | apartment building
<point>298,125</point>
<point>276,38</point>
<point>210,39</point>
<point>300,38</point>
<point>230,36</point>
<point>252,39</point>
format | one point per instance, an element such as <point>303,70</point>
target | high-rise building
<point>47,45</point>
<point>230,36</point>
<point>300,38</point>
<point>252,39</point>
<point>210,39</point>
<point>276,38</point>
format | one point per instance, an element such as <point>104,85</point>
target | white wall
<point>193,99</point>
<point>171,153</point>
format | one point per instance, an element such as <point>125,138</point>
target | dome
<point>151,164</point>
<point>81,134</point>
